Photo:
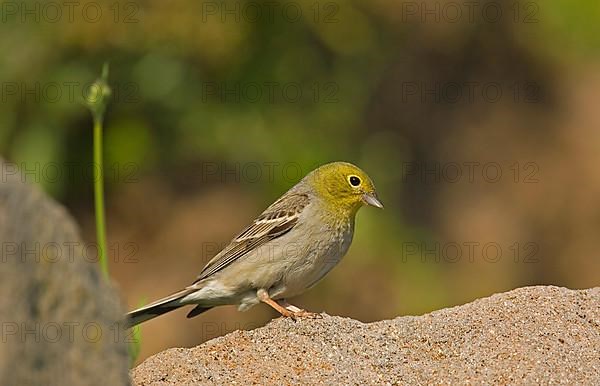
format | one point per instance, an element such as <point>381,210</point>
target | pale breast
<point>329,245</point>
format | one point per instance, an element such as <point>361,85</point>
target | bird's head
<point>344,186</point>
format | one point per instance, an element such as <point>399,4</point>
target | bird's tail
<point>157,308</point>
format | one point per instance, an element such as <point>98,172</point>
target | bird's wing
<point>275,221</point>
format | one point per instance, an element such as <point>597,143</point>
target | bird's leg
<point>283,307</point>
<point>298,311</point>
<point>263,296</point>
<point>288,306</point>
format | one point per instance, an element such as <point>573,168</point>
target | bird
<point>286,250</point>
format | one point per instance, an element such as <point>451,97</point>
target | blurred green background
<point>219,107</point>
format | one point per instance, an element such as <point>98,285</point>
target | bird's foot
<point>284,308</point>
<point>298,312</point>
<point>307,314</point>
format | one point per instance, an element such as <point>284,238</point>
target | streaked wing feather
<point>274,222</point>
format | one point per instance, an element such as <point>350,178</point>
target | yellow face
<point>344,185</point>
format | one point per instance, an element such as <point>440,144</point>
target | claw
<point>286,309</point>
<point>309,315</point>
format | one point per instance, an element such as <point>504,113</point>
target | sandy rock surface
<point>532,335</point>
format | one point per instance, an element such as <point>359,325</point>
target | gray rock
<point>531,335</point>
<point>57,313</point>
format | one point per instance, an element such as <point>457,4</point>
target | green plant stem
<point>99,197</point>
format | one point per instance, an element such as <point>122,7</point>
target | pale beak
<point>371,199</point>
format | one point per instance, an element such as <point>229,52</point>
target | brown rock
<point>531,335</point>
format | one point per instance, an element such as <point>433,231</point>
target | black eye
<point>354,181</point>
